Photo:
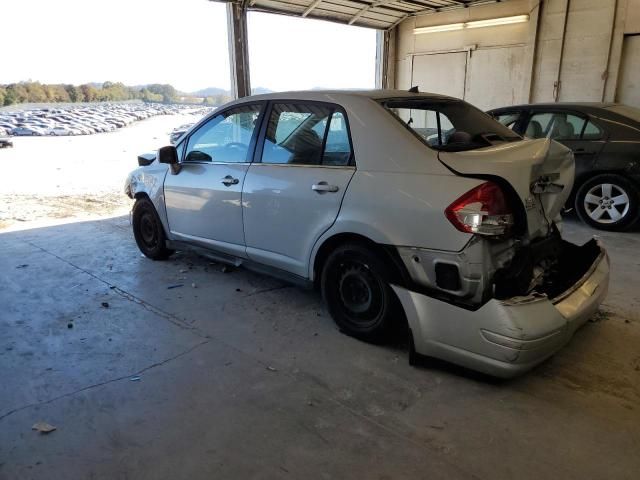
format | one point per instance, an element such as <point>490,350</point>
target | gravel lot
<point>46,178</point>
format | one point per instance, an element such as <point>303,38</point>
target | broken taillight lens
<point>483,210</point>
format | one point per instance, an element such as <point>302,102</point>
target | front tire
<point>608,202</point>
<point>354,284</point>
<point>148,231</point>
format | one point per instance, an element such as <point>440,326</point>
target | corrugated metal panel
<point>381,14</point>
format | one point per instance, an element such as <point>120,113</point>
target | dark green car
<point>605,139</point>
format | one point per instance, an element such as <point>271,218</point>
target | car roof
<point>321,95</point>
<point>560,106</point>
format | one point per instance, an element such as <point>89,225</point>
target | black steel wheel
<point>608,202</point>
<point>148,230</point>
<point>355,287</point>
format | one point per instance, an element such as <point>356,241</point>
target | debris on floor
<point>135,378</point>
<point>43,427</point>
<point>24,265</point>
<point>193,285</point>
<point>272,369</point>
<point>599,316</point>
<point>70,325</point>
<point>178,285</point>
<point>105,304</point>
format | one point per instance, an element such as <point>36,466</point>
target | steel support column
<point>238,49</point>
<point>383,39</point>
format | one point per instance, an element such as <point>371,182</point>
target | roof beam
<point>364,10</point>
<point>310,8</point>
<point>381,3</point>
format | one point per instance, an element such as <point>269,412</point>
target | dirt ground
<point>52,178</point>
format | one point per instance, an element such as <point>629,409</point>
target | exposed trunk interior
<point>547,267</point>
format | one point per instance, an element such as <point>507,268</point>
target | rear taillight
<point>483,210</point>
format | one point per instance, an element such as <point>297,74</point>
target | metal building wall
<point>570,50</point>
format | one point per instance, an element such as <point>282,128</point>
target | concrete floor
<point>246,377</point>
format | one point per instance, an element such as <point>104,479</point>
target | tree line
<point>36,92</point>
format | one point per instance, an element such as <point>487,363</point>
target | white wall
<point>563,54</point>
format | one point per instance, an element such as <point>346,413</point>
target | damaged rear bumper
<point>504,338</point>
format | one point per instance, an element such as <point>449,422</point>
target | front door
<point>293,195</point>
<point>204,198</point>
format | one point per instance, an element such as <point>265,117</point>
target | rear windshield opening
<point>448,124</point>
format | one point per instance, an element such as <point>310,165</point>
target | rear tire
<point>355,287</point>
<point>148,231</point>
<point>608,202</point>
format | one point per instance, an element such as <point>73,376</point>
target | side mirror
<point>168,154</point>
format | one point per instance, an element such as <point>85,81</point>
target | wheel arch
<point>388,253</point>
<point>140,195</point>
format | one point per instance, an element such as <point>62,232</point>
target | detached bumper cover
<point>504,338</point>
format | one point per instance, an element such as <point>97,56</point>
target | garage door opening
<point>298,54</point>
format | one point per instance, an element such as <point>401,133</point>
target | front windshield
<point>447,124</point>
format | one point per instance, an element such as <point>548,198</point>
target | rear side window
<point>337,149</point>
<point>451,125</point>
<point>591,131</point>
<point>562,126</point>
<point>306,134</point>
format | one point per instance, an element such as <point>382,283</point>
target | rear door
<point>574,130</point>
<point>203,199</point>
<point>293,190</point>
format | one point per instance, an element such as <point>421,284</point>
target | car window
<point>509,120</point>
<point>562,126</point>
<point>425,123</point>
<point>446,124</point>
<point>539,124</point>
<point>337,149</point>
<point>591,131</point>
<point>295,134</point>
<point>225,138</point>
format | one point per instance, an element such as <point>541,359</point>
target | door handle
<point>229,180</point>
<point>324,187</point>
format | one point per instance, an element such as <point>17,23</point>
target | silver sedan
<point>405,210</point>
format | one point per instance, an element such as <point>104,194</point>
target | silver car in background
<point>402,208</point>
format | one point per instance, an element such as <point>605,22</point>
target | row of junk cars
<point>80,120</point>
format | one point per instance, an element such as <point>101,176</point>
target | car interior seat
<point>306,146</point>
<point>561,128</point>
<point>534,130</point>
<point>459,137</point>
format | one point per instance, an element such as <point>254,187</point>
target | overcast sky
<point>181,42</point>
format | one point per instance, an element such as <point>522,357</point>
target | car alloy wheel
<point>606,203</point>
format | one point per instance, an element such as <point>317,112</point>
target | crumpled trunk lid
<point>541,173</point>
